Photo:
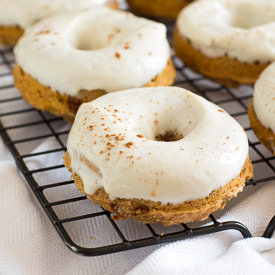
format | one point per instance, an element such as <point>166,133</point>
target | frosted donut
<point>168,9</point>
<point>262,108</point>
<point>17,15</point>
<point>158,155</point>
<point>230,41</point>
<point>68,59</point>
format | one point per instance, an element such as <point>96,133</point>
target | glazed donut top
<point>114,144</point>
<point>241,29</point>
<point>101,49</point>
<point>264,97</point>
<point>25,13</point>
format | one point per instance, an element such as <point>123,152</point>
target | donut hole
<point>168,118</point>
<point>174,124</point>
<point>88,35</point>
<point>169,136</point>
<point>85,44</point>
<point>84,41</point>
<point>247,16</point>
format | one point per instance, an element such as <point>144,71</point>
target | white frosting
<point>242,29</point>
<point>97,49</point>
<point>264,97</point>
<point>24,13</point>
<point>116,135</point>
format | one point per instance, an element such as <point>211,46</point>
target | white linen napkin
<point>222,252</point>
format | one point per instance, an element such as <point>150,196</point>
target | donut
<point>157,155</point>
<point>167,9</point>
<point>69,59</point>
<point>262,108</point>
<point>229,41</point>
<point>17,15</point>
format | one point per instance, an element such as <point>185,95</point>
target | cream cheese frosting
<point>113,144</point>
<point>24,13</point>
<point>97,49</point>
<point>264,97</point>
<point>242,29</point>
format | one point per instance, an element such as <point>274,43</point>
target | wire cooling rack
<point>37,141</point>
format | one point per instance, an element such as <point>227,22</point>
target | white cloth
<point>211,256</point>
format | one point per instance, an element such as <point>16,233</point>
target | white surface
<point>101,49</point>
<point>29,244</point>
<point>219,27</point>
<point>24,13</point>
<point>211,256</point>
<point>211,154</point>
<point>264,97</point>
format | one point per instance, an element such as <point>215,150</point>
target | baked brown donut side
<point>265,135</point>
<point>147,211</point>
<point>10,35</point>
<point>44,98</point>
<point>167,9</point>
<point>225,70</point>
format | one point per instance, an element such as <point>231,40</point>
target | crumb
<point>110,36</point>
<point>43,32</point>
<point>129,144</point>
<point>127,46</point>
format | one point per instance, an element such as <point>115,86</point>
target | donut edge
<point>166,9</point>
<point>224,70</point>
<point>265,135</point>
<point>44,98</point>
<point>147,211</point>
<point>9,35</point>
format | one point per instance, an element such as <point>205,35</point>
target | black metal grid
<point>36,126</point>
